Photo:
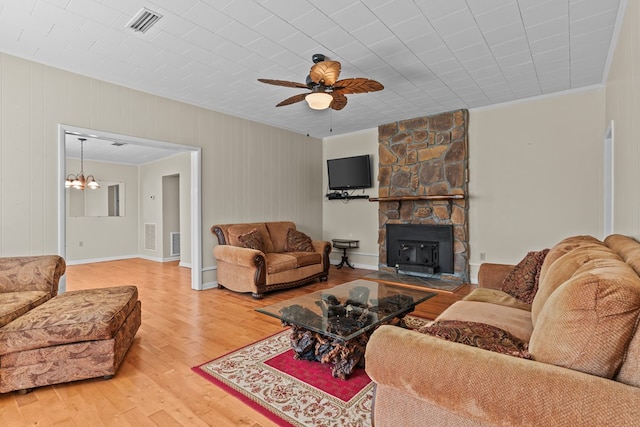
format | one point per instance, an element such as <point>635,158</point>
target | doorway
<point>196,197</point>
<point>171,217</point>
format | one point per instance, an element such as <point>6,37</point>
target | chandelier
<point>79,182</point>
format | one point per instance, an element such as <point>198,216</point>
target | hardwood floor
<point>181,328</point>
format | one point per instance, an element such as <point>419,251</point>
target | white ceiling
<point>113,151</point>
<point>431,55</point>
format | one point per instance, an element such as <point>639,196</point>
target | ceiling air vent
<point>144,20</point>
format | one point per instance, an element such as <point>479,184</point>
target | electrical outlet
<point>482,256</point>
<point>81,243</point>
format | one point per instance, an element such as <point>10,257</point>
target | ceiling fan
<point>326,90</point>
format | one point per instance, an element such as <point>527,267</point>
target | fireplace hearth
<point>422,249</point>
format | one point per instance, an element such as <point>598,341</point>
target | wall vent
<point>144,20</point>
<point>175,243</point>
<point>150,237</point>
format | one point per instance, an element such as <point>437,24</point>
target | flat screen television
<point>349,173</point>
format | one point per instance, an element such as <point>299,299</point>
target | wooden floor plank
<point>181,328</point>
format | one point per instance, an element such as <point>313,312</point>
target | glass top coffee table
<point>334,325</point>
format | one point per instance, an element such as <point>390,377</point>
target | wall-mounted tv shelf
<point>340,196</point>
<point>414,198</point>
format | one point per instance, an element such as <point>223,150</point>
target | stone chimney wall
<point>425,156</point>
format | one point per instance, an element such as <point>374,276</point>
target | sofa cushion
<point>31,273</point>
<point>564,268</point>
<point>306,258</point>
<point>278,232</point>
<point>522,282</point>
<point>15,304</point>
<point>513,320</point>
<point>627,248</point>
<point>252,240</point>
<point>481,335</point>
<point>495,296</point>
<point>277,263</point>
<point>630,370</point>
<point>587,323</point>
<point>297,241</point>
<point>74,316</point>
<point>237,230</point>
<point>561,248</point>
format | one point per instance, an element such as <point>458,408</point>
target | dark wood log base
<point>344,355</point>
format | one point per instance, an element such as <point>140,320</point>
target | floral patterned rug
<point>293,392</point>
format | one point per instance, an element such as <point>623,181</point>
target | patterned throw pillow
<point>479,335</point>
<point>297,241</point>
<point>522,282</point>
<point>252,240</point>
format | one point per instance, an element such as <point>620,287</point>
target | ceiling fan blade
<point>325,72</point>
<point>293,99</point>
<point>283,83</point>
<point>357,85</point>
<point>339,101</point>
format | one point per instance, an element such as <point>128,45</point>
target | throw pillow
<point>252,240</point>
<point>297,241</point>
<point>479,335</point>
<point>522,282</point>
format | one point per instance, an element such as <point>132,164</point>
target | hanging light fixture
<point>79,182</point>
<point>319,100</point>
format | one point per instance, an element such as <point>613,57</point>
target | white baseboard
<point>93,260</point>
<point>156,259</point>
<point>209,285</point>
<point>473,273</point>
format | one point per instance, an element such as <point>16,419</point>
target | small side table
<point>345,244</point>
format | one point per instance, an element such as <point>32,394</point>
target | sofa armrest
<point>321,246</point>
<point>493,388</point>
<point>31,273</point>
<point>236,255</point>
<point>324,248</point>
<point>492,275</point>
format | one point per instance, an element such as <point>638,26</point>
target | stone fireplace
<point>423,181</point>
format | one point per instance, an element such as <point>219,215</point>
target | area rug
<point>293,392</point>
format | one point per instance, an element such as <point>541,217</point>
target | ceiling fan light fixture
<point>319,100</point>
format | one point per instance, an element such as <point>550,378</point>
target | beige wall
<point>535,174</point>
<point>104,238</point>
<point>623,107</point>
<point>355,219</point>
<point>250,171</point>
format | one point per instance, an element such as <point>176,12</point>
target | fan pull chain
<point>331,123</point>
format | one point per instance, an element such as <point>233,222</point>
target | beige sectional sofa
<point>583,343</point>
<point>272,266</point>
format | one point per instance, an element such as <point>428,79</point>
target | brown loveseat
<point>243,269</point>
<point>583,340</point>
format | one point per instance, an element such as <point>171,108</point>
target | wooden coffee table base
<point>344,355</point>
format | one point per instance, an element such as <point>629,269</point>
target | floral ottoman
<point>73,336</point>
